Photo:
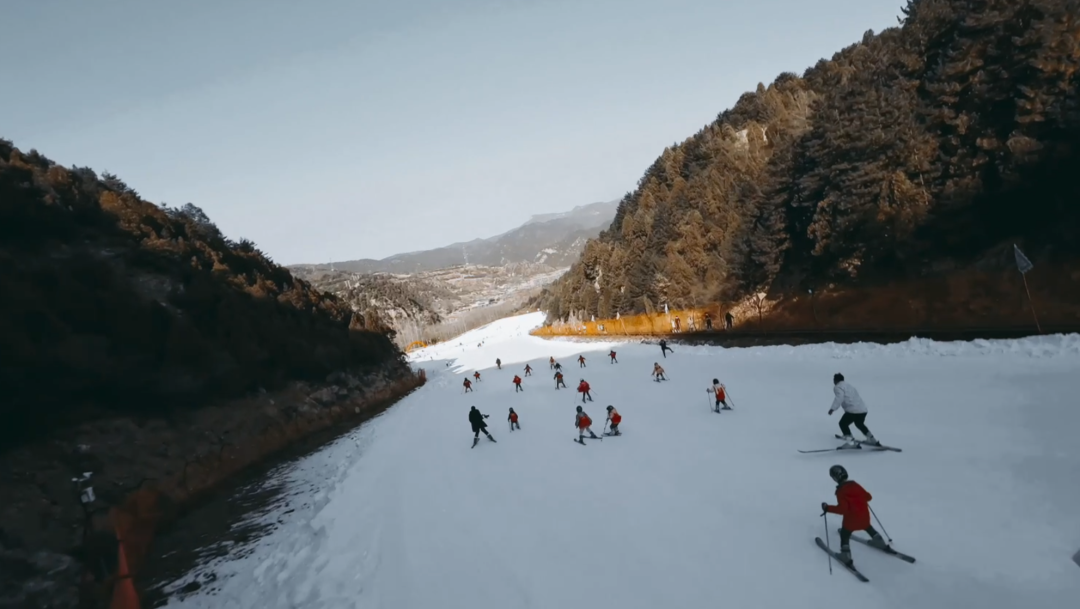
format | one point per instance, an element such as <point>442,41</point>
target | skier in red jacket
<point>583,424</point>
<point>517,384</point>
<point>612,356</point>
<point>583,389</point>
<point>853,503</point>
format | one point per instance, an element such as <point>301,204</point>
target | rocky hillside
<point>432,305</point>
<point>554,240</point>
<point>902,169</point>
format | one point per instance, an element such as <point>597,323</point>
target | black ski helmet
<point>579,408</point>
<point>838,473</point>
<point>473,408</point>
<point>511,410</point>
<point>836,378</point>
<point>716,381</point>
<point>611,408</point>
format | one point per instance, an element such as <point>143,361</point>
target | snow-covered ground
<point>689,508</point>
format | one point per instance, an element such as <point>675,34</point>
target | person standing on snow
<point>847,397</point>
<point>583,423</point>
<point>517,384</point>
<point>551,362</point>
<point>664,348</point>
<point>559,380</point>
<point>853,503</point>
<point>612,356</point>
<point>583,389</point>
<point>498,363</point>
<point>468,385</point>
<point>476,375</point>
<point>581,361</point>
<point>528,370</point>
<point>720,392</point>
<point>614,418</point>
<point>513,418</point>
<point>658,372</point>
<point>477,421</point>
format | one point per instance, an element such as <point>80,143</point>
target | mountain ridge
<point>553,239</point>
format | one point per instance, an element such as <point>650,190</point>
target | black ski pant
<point>558,383</point>
<point>719,402</point>
<point>665,349</point>
<point>514,425</point>
<point>581,364</point>
<point>585,394</point>
<point>848,419</point>
<point>845,537</point>
<point>517,388</point>
<point>479,428</point>
<point>614,361</point>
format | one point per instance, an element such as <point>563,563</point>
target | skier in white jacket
<point>848,398</point>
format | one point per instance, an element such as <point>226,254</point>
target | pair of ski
<point>601,438</point>
<point>851,567</point>
<point>858,446</point>
<point>717,410</point>
<point>477,441</point>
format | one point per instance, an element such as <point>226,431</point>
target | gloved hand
<point>486,416</point>
<point>830,412</point>
<point>824,508</point>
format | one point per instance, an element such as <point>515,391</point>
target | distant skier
<point>729,320</point>
<point>517,384</point>
<point>581,361</point>
<point>476,375</point>
<point>853,503</point>
<point>612,356</point>
<point>498,363</point>
<point>559,380</point>
<point>847,397</point>
<point>658,372</point>
<point>583,389</point>
<point>678,324</point>
<point>528,370</point>
<point>558,366</point>
<point>513,418</point>
<point>614,418</point>
<point>720,391</point>
<point>478,425</point>
<point>664,348</point>
<point>551,362</point>
<point>708,322</point>
<point>468,385</point>
<point>583,423</point>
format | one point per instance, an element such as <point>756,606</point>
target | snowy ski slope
<point>689,508</point>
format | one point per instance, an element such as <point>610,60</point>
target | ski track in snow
<point>688,508</point>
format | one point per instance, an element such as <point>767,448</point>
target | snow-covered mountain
<point>554,240</point>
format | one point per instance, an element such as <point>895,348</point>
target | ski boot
<point>844,556</point>
<point>870,440</point>
<point>877,541</point>
<point>491,438</point>
<point>474,442</point>
<point>849,442</point>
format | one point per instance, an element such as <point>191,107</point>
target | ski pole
<point>825,517</point>
<point>728,394</point>
<point>708,399</point>
<point>880,525</point>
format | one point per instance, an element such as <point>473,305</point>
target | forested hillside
<point>918,153</point>
<point>113,304</point>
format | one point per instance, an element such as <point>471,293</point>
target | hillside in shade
<point>903,168</point>
<point>115,305</point>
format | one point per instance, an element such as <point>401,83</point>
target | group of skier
<point>852,500</point>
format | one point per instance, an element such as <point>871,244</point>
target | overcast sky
<point>342,129</point>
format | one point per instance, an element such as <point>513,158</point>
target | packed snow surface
<point>688,508</point>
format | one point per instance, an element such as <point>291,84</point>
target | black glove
<point>486,416</point>
<point>824,508</point>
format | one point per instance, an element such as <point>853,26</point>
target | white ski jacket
<point>847,397</point>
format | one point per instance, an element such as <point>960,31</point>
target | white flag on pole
<point>1022,261</point>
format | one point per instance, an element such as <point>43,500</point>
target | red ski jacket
<point>583,387</point>
<point>517,380</point>
<point>853,502</point>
